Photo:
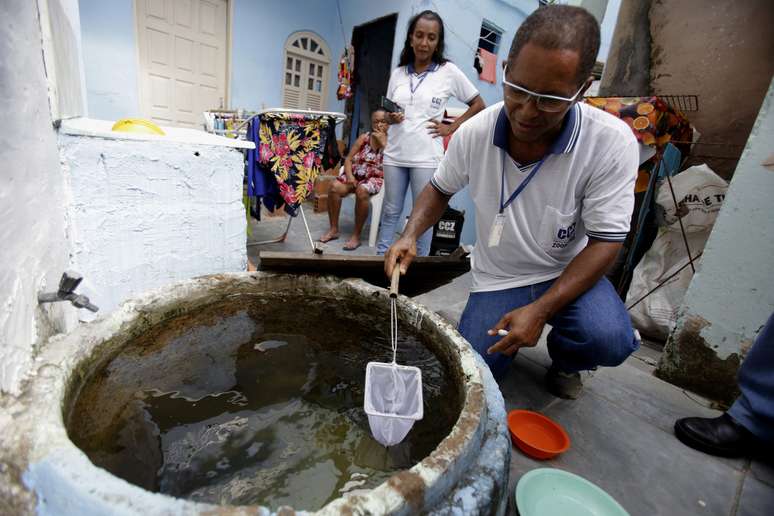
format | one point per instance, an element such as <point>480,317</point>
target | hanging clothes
<point>488,71</point>
<point>291,147</point>
<point>261,184</point>
<point>346,69</point>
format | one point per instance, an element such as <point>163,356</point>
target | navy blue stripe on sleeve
<point>441,190</point>
<point>607,237</point>
<point>471,98</point>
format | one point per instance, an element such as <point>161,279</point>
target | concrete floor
<point>620,427</point>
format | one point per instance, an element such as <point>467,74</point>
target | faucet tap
<point>67,285</point>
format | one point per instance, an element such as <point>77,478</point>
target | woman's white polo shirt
<point>409,144</point>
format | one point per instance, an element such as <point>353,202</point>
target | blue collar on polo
<point>433,67</point>
<point>564,143</point>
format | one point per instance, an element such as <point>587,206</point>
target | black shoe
<point>563,385</point>
<point>721,436</point>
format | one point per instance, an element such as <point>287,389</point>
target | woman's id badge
<point>497,230</point>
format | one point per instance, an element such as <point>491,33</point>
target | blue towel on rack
<point>261,182</point>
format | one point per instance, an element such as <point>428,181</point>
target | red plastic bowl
<point>536,435</point>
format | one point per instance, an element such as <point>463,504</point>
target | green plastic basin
<point>553,492</point>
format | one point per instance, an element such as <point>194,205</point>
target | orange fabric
<point>489,63</point>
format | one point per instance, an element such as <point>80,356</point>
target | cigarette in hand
<point>501,333</point>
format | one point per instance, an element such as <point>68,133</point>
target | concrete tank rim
<point>57,370</point>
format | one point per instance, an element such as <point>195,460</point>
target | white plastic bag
<point>700,194</point>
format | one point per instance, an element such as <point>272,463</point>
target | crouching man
<point>552,181</point>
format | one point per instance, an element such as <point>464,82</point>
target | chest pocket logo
<point>558,231</point>
<point>436,102</point>
<point>565,236</point>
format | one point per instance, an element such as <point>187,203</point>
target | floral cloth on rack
<point>291,148</point>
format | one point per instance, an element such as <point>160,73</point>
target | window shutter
<point>306,73</point>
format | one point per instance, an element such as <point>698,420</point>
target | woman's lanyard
<point>499,221</point>
<point>421,78</point>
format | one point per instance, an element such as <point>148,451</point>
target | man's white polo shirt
<point>585,186</point>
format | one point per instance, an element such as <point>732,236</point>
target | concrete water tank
<point>174,336</point>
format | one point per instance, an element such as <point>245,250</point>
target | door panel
<point>183,51</point>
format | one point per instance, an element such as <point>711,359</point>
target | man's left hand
<point>524,326</point>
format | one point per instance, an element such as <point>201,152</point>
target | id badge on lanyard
<point>496,233</point>
<point>497,230</point>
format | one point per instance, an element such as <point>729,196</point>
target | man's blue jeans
<point>594,330</point>
<point>396,182</point>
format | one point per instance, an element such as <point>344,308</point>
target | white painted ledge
<point>102,129</point>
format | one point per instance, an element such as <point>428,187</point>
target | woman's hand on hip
<point>439,129</point>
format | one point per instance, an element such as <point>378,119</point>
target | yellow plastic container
<point>137,125</point>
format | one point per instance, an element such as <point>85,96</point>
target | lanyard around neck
<point>520,188</point>
<point>421,76</point>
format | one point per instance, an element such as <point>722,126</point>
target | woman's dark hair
<point>407,54</point>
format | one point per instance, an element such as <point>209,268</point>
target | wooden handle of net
<point>394,280</point>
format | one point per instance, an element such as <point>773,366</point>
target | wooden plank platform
<point>425,273</point>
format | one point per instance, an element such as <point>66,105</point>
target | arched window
<point>305,77</point>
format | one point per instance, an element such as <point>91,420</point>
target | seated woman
<point>362,173</point>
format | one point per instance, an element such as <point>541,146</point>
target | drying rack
<point>339,117</point>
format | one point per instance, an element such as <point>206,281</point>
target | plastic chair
<point>376,214</point>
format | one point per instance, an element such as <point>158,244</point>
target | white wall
<point>147,213</point>
<point>129,216</point>
<point>732,293</point>
<point>734,288</point>
<point>34,252</point>
<point>62,55</point>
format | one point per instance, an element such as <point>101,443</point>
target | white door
<point>183,52</point>
<point>305,83</point>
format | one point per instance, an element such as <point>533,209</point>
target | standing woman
<point>422,85</point>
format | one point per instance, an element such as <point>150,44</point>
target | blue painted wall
<point>260,29</point>
<point>110,58</point>
<point>462,20</point>
<point>607,27</point>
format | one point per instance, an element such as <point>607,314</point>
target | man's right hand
<point>403,251</point>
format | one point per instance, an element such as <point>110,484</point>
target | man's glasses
<point>547,103</point>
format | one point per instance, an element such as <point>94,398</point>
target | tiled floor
<point>620,427</point>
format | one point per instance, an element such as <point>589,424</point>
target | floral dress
<point>366,167</point>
